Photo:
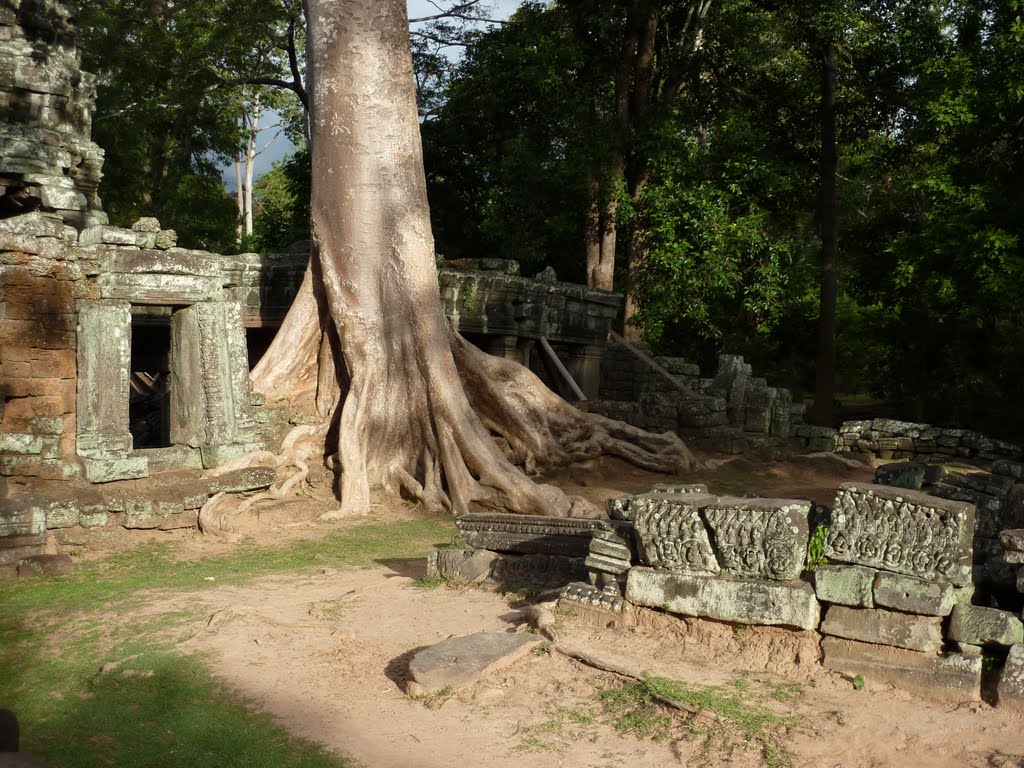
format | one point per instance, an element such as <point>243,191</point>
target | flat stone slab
<point>978,625</point>
<point>523,534</point>
<point>875,625</point>
<point>670,532</point>
<point>904,531</point>
<point>746,601</point>
<point>914,595</point>
<point>846,585</point>
<point>1010,691</point>
<point>459,661</point>
<point>952,678</point>
<point>759,538</point>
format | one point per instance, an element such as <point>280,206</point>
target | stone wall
<point>49,161</point>
<point>733,412</point>
<point>889,594</point>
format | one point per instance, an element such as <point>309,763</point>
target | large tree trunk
<point>406,423</point>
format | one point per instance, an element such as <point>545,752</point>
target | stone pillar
<point>210,406</point>
<point>104,359</point>
<point>504,346</point>
<point>585,368</point>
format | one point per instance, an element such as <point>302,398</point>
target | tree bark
<point>369,309</point>
<point>825,372</point>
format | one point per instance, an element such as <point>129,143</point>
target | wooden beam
<point>562,369</point>
<point>685,390</point>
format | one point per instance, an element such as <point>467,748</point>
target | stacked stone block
<point>1010,690</point>
<point>998,497</point>
<point>723,558</point>
<point>892,439</point>
<point>49,161</point>
<point>38,293</point>
<point>902,562</point>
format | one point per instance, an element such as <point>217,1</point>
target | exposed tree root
<point>417,409</point>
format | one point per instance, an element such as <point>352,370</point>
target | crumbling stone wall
<point>39,288</point>
<point>733,411</point>
<point>48,162</point>
<point>895,602</point>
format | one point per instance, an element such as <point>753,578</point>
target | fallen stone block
<point>746,601</point>
<point>1010,690</point>
<point>875,625</point>
<point>906,474</point>
<point>978,625</point>
<point>845,585</point>
<point>670,533</point>
<point>903,531</point>
<point>458,661</point>
<point>46,565</point>
<point>914,595</point>
<point>242,480</point>
<point>498,532</point>
<point>759,538</point>
<point>951,678</point>
<point>1012,541</point>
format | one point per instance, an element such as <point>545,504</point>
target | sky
<point>281,147</point>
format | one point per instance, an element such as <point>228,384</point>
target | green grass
<point>158,707</point>
<point>739,720</point>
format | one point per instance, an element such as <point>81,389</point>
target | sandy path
<point>326,654</point>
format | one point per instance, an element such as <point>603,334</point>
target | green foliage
<point>168,112</point>
<point>281,204</point>
<point>816,548</point>
<point>858,683</point>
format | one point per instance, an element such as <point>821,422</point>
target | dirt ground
<point>327,654</point>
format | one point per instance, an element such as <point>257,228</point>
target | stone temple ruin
<point>890,590</point>
<point>123,357</point>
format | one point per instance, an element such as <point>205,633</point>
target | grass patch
<point>733,482</point>
<point>436,699</point>
<point>737,721</point>
<point>430,582</point>
<point>158,707</point>
<point>562,727</point>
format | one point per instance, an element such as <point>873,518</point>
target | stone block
<point>670,533</point>
<point>903,531</point>
<point>523,534</point>
<point>242,480</point>
<point>759,538</point>
<point>22,515</point>
<point>951,678</point>
<point>680,488</point>
<point>13,442</point>
<point>985,626</point>
<point>875,625</point>
<point>459,661</point>
<point>746,601</point>
<point>913,595</point>
<point>46,565</point>
<point>1008,468</point>
<point>845,585</point>
<point>906,474</point>
<point>109,470</point>
<point>1012,540</point>
<point>1010,690</point>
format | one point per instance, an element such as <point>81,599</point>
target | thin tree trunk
<point>825,373</point>
<point>592,228</point>
<point>250,162</point>
<point>239,198</point>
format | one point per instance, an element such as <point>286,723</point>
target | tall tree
<point>417,408</point>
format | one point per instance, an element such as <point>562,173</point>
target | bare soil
<point>327,654</point>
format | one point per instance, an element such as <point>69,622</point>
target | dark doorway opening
<point>149,379</point>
